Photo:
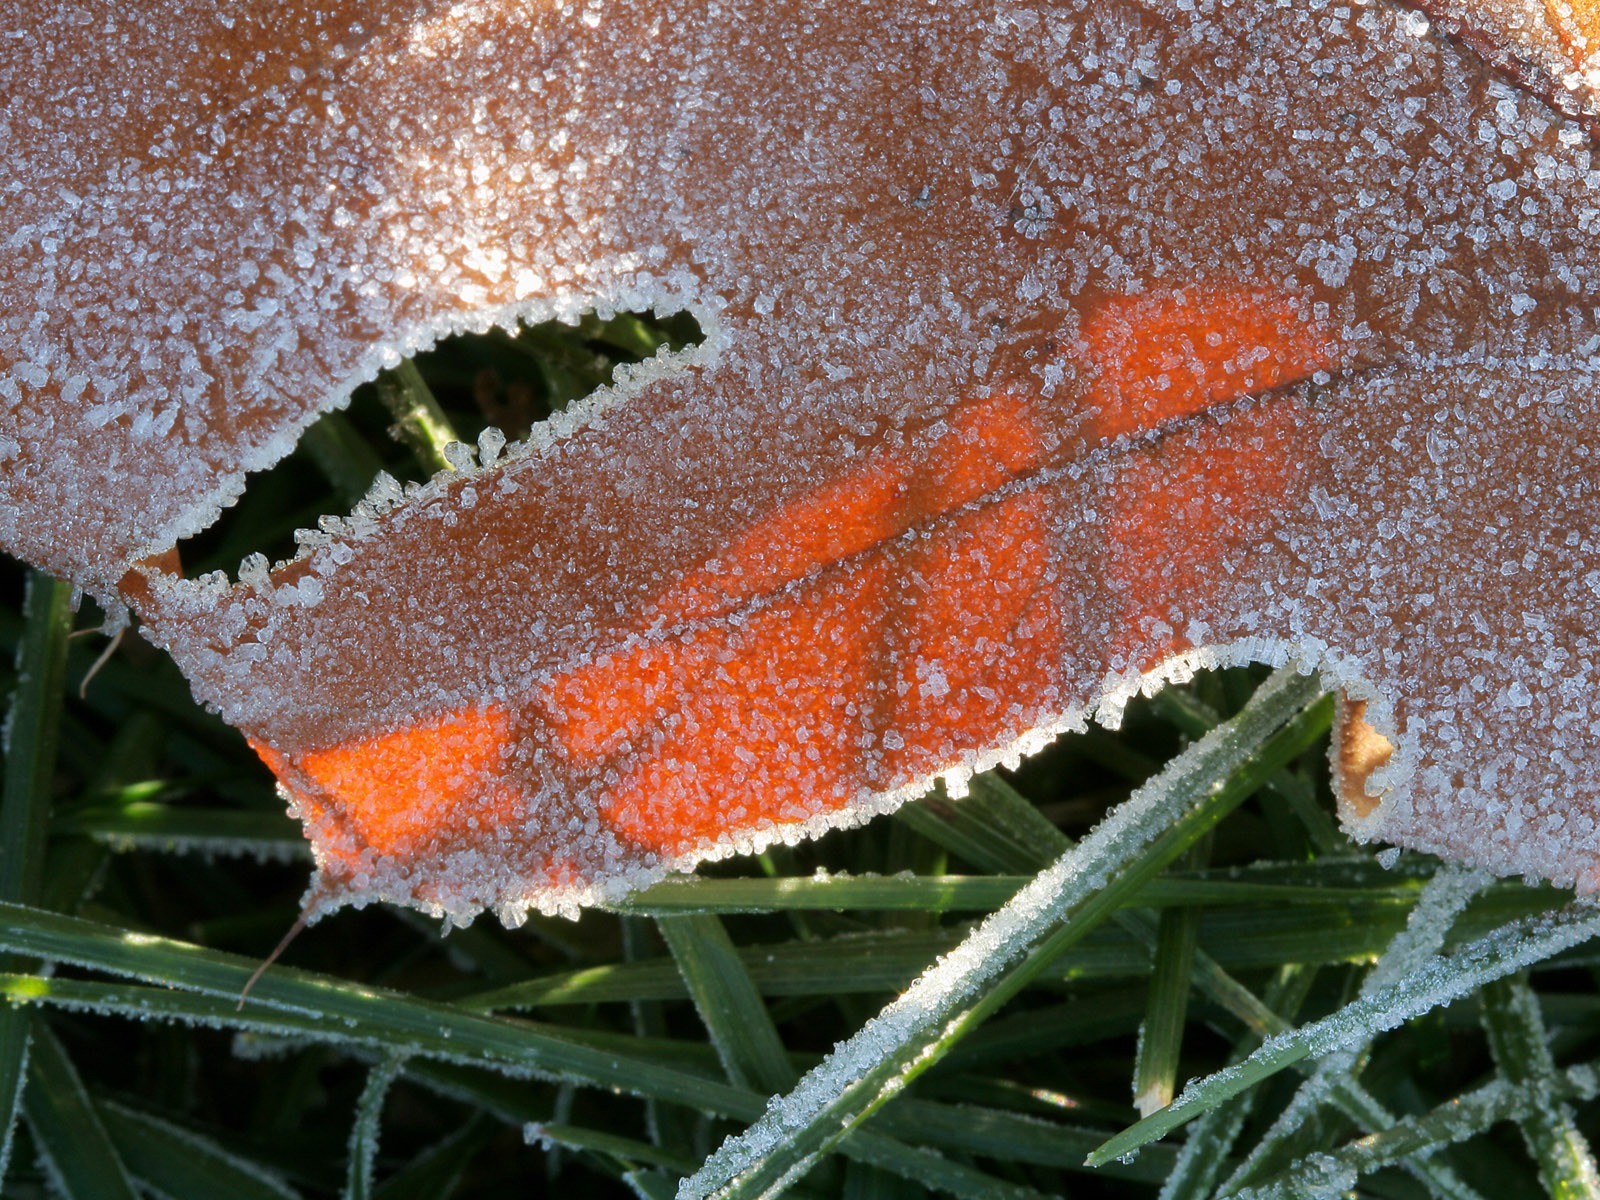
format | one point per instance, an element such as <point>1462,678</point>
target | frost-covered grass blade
<point>30,734</point>
<point>72,1143</point>
<point>1046,917</point>
<point>1521,1048</point>
<point>728,1002</point>
<point>1442,981</point>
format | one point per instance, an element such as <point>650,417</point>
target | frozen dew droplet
<point>490,443</point>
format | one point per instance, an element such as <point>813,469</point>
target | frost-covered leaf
<point>1048,346</point>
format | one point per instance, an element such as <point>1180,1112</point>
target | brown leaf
<point>1047,349</point>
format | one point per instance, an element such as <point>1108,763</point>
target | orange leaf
<point>1044,353</point>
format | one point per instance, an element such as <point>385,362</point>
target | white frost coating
<point>363,1145</point>
<point>209,848</point>
<point>1441,901</point>
<point>940,993</point>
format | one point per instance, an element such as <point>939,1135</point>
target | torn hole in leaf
<point>1359,750</point>
<point>398,425</point>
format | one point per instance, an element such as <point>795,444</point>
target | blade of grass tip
<point>1205,1151</point>
<point>1509,948</point>
<point>181,1165</point>
<point>419,422</point>
<point>1155,1067</point>
<point>31,732</point>
<point>1333,1081</point>
<point>728,1002</point>
<point>1159,822</point>
<point>73,1145</point>
<point>364,1132</point>
<point>1456,1120</point>
<point>1521,1050</point>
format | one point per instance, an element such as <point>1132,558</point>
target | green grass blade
<point>1510,948</point>
<point>1204,1155</point>
<point>651,1185</point>
<point>1260,935</point>
<point>419,422</point>
<point>368,1124</point>
<point>1195,718</point>
<point>932,1170</point>
<point>999,829</point>
<point>982,893</point>
<point>309,1004</point>
<point>993,827</point>
<point>729,1003</point>
<point>862,1182</point>
<point>1142,837</point>
<point>861,893</point>
<point>1008,1137</point>
<point>958,1129</point>
<point>319,1007</point>
<point>1334,1079</point>
<point>14,1031</point>
<point>629,1153</point>
<point>182,1165</point>
<point>83,1164</point>
<point>342,455</point>
<point>668,1124</point>
<point>870,963</point>
<point>1161,1036</point>
<point>1521,1050</point>
<point>31,733</point>
<point>1457,1120</point>
<point>147,825</point>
